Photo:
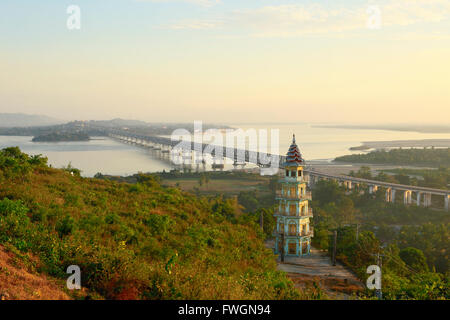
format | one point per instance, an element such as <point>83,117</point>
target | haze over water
<point>318,143</point>
<point>98,155</point>
<point>111,157</point>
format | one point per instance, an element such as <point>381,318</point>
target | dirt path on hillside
<point>316,269</point>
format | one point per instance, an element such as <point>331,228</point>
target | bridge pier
<point>418,198</point>
<point>427,200</point>
<point>390,194</point>
<point>359,188</point>
<point>446,201</point>
<point>407,197</point>
<point>348,185</point>
<point>373,189</point>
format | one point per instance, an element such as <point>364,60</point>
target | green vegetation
<point>90,127</point>
<point>431,178</point>
<point>412,241</point>
<point>61,136</point>
<point>144,240</point>
<point>439,178</point>
<point>419,157</point>
<point>254,193</point>
<point>135,241</point>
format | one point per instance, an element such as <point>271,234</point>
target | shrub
<point>65,226</point>
<point>158,224</point>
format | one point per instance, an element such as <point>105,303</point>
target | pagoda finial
<point>293,138</point>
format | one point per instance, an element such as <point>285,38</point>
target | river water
<point>111,157</point>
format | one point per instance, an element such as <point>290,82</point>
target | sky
<point>228,61</point>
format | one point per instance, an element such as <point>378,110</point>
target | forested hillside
<point>411,242</point>
<point>133,241</point>
<point>420,157</point>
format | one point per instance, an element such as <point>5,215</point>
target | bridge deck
<point>260,158</point>
<point>380,183</point>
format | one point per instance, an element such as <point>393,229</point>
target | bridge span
<point>423,195</point>
<point>180,147</point>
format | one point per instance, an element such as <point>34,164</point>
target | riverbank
<point>61,137</point>
<point>436,128</point>
<point>425,143</point>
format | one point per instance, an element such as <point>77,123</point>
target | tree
<point>414,258</point>
<point>206,179</point>
<point>364,172</point>
<point>268,220</point>
<point>327,191</point>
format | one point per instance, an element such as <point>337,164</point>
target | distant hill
<point>26,120</point>
<point>119,123</point>
<point>35,125</point>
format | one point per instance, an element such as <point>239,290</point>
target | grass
<point>20,280</point>
<point>134,241</point>
<point>222,186</point>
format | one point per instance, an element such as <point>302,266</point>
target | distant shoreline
<point>411,128</point>
<point>425,143</point>
<point>61,137</point>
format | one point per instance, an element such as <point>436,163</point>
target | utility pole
<point>379,292</point>
<point>334,246</point>
<point>380,264</point>
<point>261,221</point>
<point>282,247</point>
<point>357,231</point>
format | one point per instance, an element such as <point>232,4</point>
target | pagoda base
<point>294,246</point>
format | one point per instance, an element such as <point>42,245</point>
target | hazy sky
<point>228,60</point>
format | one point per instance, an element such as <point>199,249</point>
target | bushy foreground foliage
<point>138,241</point>
<point>412,242</point>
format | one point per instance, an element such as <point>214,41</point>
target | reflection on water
<point>111,157</point>
<point>98,155</point>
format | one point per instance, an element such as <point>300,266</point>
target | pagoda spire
<point>293,231</point>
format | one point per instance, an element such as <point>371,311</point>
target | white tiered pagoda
<point>293,213</point>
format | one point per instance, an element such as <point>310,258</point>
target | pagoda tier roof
<point>293,156</point>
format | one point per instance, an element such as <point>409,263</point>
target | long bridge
<point>261,159</point>
<point>423,195</point>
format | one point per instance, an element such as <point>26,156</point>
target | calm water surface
<point>328,143</point>
<point>98,155</point>
<point>111,157</point>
